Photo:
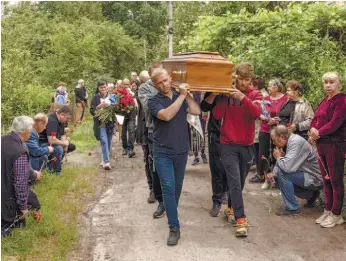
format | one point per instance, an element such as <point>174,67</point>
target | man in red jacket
<point>238,112</point>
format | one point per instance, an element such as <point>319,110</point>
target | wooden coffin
<point>203,71</point>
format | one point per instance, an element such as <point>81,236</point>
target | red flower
<point>53,133</point>
<point>125,100</point>
<point>289,124</point>
<point>54,159</point>
<point>262,157</point>
<point>37,216</point>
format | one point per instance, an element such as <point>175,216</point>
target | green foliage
<point>291,43</point>
<point>185,23</point>
<point>141,20</point>
<point>27,100</point>
<point>48,42</point>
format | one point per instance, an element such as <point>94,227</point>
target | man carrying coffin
<point>238,112</point>
<point>170,142</point>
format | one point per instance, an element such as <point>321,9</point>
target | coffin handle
<point>179,75</point>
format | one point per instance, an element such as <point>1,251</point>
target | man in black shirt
<point>218,176</point>
<point>54,135</point>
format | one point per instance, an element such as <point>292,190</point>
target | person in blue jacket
<point>38,155</point>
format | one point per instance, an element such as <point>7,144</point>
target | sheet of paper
<point>120,119</point>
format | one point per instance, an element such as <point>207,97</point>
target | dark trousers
<point>257,157</point>
<point>333,160</point>
<point>145,148</point>
<point>128,134</point>
<point>265,148</point>
<point>218,175</point>
<point>33,203</point>
<point>236,160</point>
<point>155,178</point>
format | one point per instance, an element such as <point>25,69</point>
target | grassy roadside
<point>62,199</point>
<point>83,135</point>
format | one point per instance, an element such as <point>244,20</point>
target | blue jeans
<point>291,184</point>
<point>106,143</point>
<point>171,170</point>
<point>36,162</point>
<point>58,152</point>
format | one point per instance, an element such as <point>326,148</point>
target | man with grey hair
<point>296,171</point>
<point>144,76</point>
<point>81,96</point>
<point>146,91</point>
<point>38,155</point>
<point>14,173</point>
<point>142,138</point>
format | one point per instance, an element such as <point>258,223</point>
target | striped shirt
<point>21,177</point>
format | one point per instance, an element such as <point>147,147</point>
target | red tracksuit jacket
<point>238,118</point>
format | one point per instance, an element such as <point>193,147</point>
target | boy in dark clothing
<point>218,175</point>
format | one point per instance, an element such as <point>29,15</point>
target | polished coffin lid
<point>203,71</point>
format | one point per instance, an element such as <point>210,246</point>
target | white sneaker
<point>107,166</point>
<point>332,220</point>
<point>265,185</point>
<point>102,163</point>
<point>322,218</point>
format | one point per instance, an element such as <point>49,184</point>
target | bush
<point>25,100</point>
<point>301,42</point>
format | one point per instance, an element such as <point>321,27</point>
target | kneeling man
<point>296,171</point>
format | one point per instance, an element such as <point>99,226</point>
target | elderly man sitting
<point>14,173</point>
<point>296,171</point>
<point>38,155</point>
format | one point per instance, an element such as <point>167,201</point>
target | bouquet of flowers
<point>120,102</point>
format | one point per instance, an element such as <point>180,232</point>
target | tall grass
<point>61,200</point>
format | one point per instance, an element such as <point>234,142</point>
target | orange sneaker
<point>241,230</point>
<point>229,214</point>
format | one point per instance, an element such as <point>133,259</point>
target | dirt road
<point>119,226</point>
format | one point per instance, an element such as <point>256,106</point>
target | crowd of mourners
<point>273,129</point>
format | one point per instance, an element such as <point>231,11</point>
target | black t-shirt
<point>169,137</point>
<point>286,113</point>
<point>53,125</point>
<point>213,124</point>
